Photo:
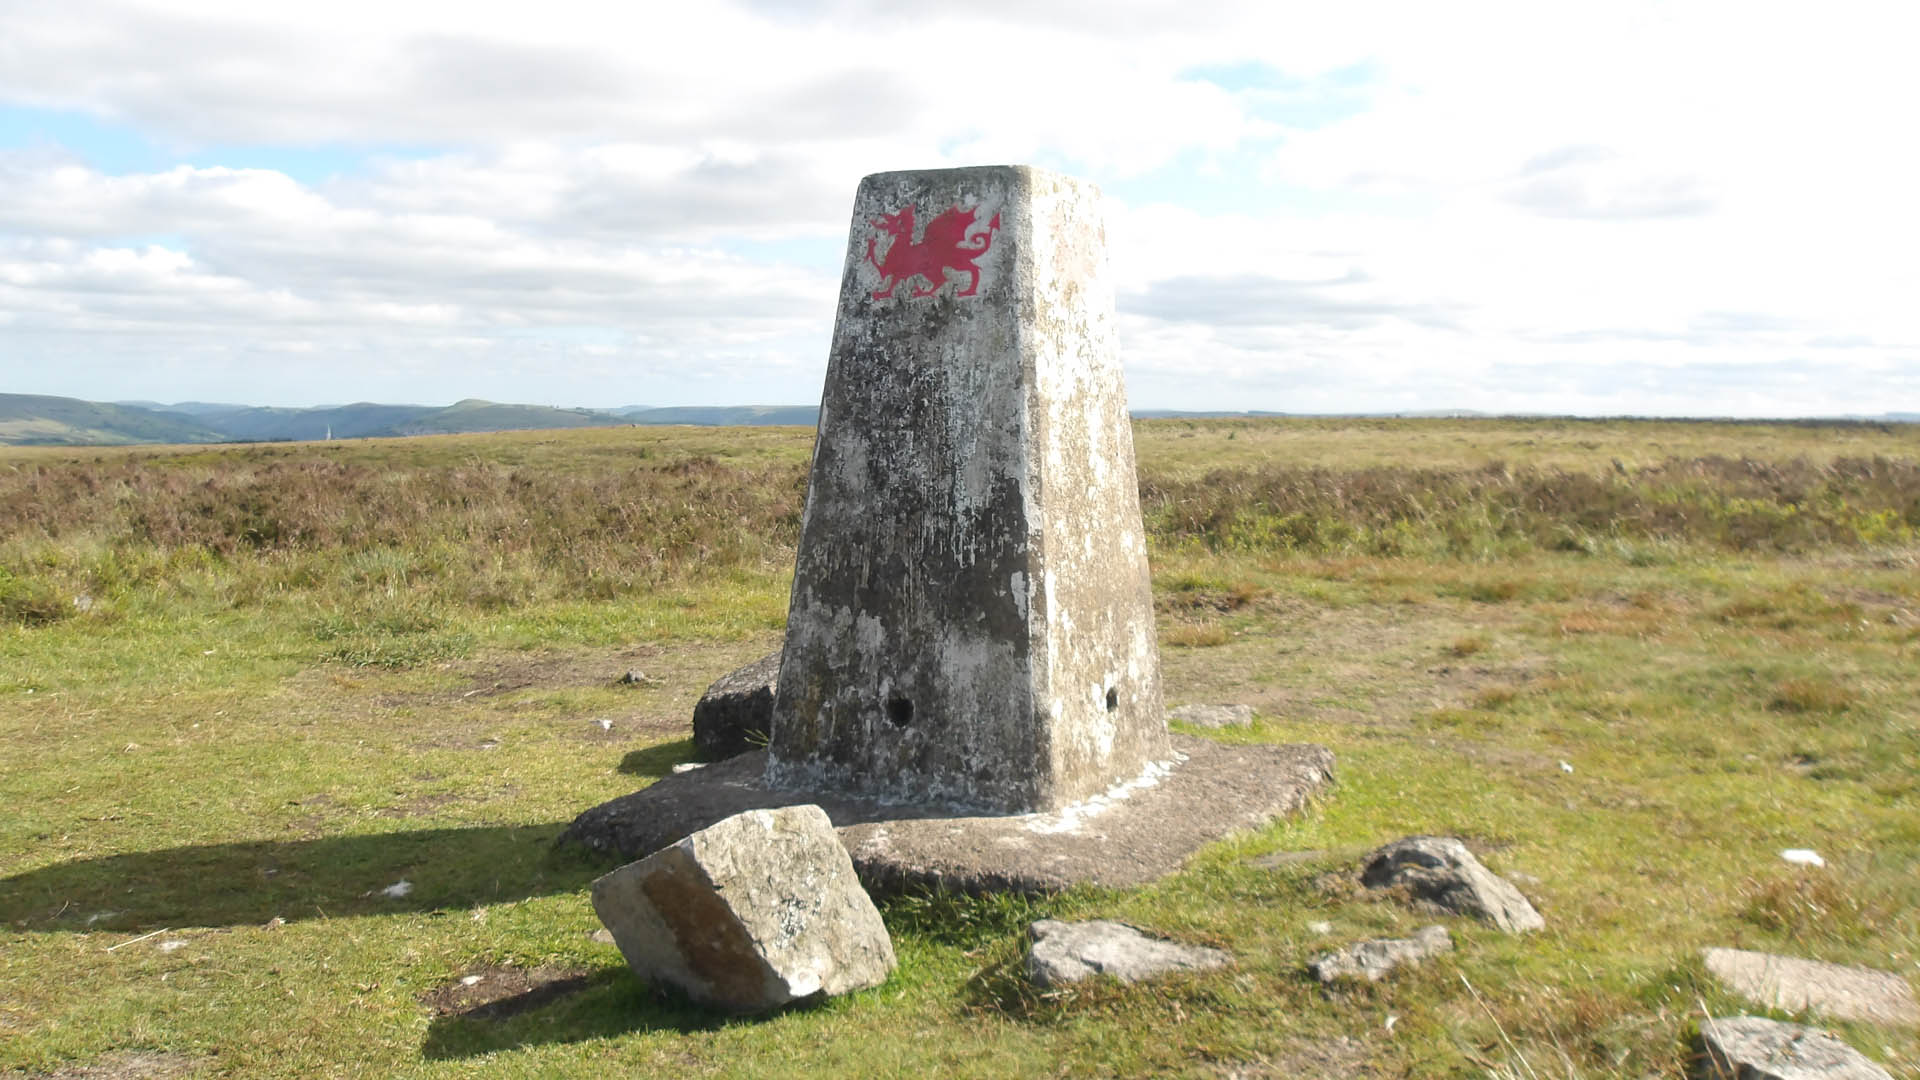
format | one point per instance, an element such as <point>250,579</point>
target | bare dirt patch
<point>120,1065</point>
<point>580,695</point>
<point>1366,664</point>
<point>497,991</point>
<point>504,673</point>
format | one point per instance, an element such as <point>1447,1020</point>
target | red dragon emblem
<point>945,246</point>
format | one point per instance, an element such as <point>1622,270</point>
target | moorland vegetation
<point>245,691</point>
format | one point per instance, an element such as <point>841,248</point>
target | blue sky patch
<point>118,149</point>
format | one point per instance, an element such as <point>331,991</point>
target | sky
<point>1597,209</point>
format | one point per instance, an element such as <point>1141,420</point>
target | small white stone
<point>1803,857</point>
<point>469,980</point>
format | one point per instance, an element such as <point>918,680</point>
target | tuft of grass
<point>1814,905</point>
<point>30,602</point>
<point>1495,697</point>
<point>1811,694</point>
<point>1469,645</point>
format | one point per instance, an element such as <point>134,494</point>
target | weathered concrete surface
<point>971,619</point>
<point>1143,834</point>
<point>752,913</point>
<point>1376,958</point>
<point>1835,990</point>
<point>1439,870</point>
<point>735,715</point>
<point>1063,952</point>
<point>1755,1048</point>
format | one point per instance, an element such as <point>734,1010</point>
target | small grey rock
<point>1064,952</point>
<point>1441,871</point>
<point>1754,1048</point>
<point>1836,990</point>
<point>735,715</point>
<point>1373,960</point>
<point>1212,716</point>
<point>756,911</point>
<point>636,677</point>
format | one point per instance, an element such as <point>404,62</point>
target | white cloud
<point>1698,208</point>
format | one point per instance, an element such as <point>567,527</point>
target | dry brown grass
<point>1811,695</point>
<point>1467,646</point>
<point>1811,903</point>
<point>1729,503</point>
<point>596,514</point>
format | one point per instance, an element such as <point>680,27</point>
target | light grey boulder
<point>1212,716</point>
<point>756,911</point>
<point>1441,871</point>
<point>1835,990</point>
<point>1754,1048</point>
<point>1065,952</point>
<point>1375,959</point>
<point>735,715</point>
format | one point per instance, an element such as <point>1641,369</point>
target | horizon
<point>1327,212</point>
<point>1136,410</point>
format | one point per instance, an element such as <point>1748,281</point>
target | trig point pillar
<point>972,620</point>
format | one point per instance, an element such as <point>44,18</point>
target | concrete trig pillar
<point>972,619</point>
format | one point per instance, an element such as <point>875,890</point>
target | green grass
<point>242,744</point>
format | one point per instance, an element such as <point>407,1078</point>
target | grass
<point>303,674</point>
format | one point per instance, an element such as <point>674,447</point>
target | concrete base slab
<point>1138,831</point>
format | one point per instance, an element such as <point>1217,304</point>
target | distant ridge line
<point>42,420</point>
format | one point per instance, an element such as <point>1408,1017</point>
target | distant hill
<point>37,420</point>
<point>476,415</point>
<point>196,409</point>
<point>1203,414</point>
<point>264,424</point>
<point>32,419</point>
<point>724,415</point>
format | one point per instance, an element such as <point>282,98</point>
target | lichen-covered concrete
<point>971,619</point>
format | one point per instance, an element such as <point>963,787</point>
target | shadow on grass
<point>332,877</point>
<point>605,1003</point>
<point>655,762</point>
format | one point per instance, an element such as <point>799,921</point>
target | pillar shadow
<point>331,877</point>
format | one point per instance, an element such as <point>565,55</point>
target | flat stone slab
<point>1836,990</point>
<point>1376,958</point>
<point>1139,831</point>
<point>1755,1048</point>
<point>1067,952</point>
